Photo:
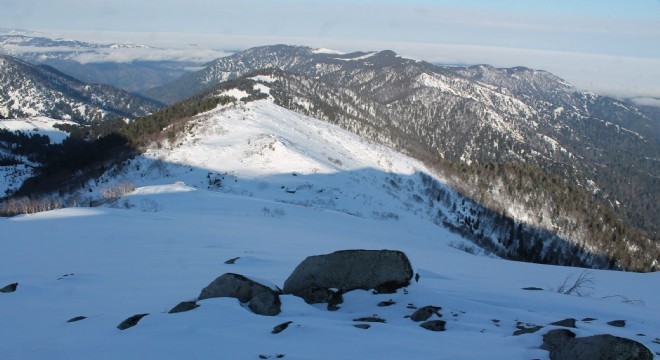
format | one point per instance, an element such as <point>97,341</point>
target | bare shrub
<point>114,192</point>
<point>583,285</point>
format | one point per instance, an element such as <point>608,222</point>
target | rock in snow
<point>563,345</point>
<point>131,321</point>
<point>184,306</point>
<point>425,313</point>
<point>346,270</point>
<point>9,288</point>
<point>434,325</point>
<point>261,299</point>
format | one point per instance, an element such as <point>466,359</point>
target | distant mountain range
<point>530,154</point>
<point>127,66</point>
<point>29,90</point>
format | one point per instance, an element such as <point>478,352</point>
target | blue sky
<point>606,46</point>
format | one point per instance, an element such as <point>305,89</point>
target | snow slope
<point>271,187</point>
<point>38,125</point>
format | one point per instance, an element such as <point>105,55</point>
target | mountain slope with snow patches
<point>270,187</point>
<point>28,90</point>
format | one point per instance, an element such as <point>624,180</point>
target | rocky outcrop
<point>319,278</point>
<point>259,298</point>
<point>563,345</point>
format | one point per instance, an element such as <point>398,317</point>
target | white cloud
<point>646,101</point>
<point>149,54</point>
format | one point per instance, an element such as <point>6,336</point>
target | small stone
<point>434,325</point>
<point>526,329</point>
<point>9,288</point>
<point>386,303</point>
<point>370,319</point>
<point>532,288</point>
<point>424,313</point>
<point>184,306</point>
<point>281,327</point>
<point>362,326</point>
<point>279,356</point>
<point>77,318</point>
<point>588,319</point>
<point>232,261</point>
<point>262,356</point>
<point>617,323</point>
<point>131,321</point>
<point>570,322</point>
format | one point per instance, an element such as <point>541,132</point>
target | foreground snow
<point>108,264</point>
<point>273,187</point>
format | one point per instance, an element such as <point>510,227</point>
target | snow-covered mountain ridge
<point>471,115</point>
<point>28,90</point>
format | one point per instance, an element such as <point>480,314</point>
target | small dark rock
<point>184,306</point>
<point>532,288</point>
<point>570,322</point>
<point>281,327</point>
<point>617,323</point>
<point>656,341</point>
<point>131,321</point>
<point>9,288</point>
<point>411,306</point>
<point>386,303</point>
<point>424,313</point>
<point>362,326</point>
<point>416,277</point>
<point>434,325</point>
<point>370,319</point>
<point>526,329</point>
<point>263,356</point>
<point>279,356</point>
<point>232,261</point>
<point>640,334</point>
<point>589,319</point>
<point>77,318</point>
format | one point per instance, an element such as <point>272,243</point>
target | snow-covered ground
<point>271,187</point>
<point>38,125</point>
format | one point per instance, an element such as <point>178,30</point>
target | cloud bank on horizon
<point>605,46</point>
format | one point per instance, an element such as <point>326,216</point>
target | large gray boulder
<point>259,298</point>
<point>563,345</point>
<point>320,278</point>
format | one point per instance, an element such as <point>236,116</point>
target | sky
<point>606,46</point>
